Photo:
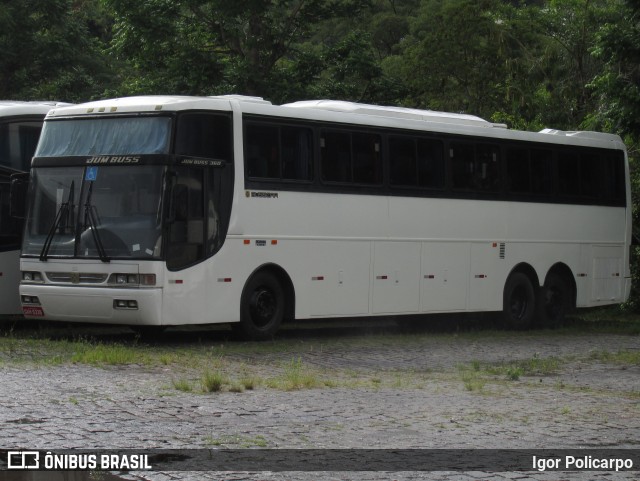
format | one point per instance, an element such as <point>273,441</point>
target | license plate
<point>33,311</point>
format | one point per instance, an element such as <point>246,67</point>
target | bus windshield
<point>113,136</point>
<point>95,212</point>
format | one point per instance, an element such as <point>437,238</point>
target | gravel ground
<point>393,391</point>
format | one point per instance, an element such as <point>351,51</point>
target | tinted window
<point>335,148</point>
<point>204,135</point>
<point>262,152</point>
<point>518,171</point>
<point>279,152</point>
<point>297,153</point>
<point>367,162</point>
<point>541,171</point>
<point>475,166</point>
<point>416,162</point>
<point>18,141</point>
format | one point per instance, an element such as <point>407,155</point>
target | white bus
<point>20,125</point>
<point>159,211</point>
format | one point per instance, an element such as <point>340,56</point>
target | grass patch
<point>295,376</point>
<point>476,374</point>
<point>182,385</point>
<point>108,354</point>
<point>514,370</point>
<point>473,380</point>
<point>212,381</point>
<point>625,357</point>
<point>235,440</point>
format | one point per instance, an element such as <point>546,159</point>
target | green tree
<point>525,63</point>
<point>618,83</point>
<point>618,89</point>
<point>215,46</point>
<point>52,50</point>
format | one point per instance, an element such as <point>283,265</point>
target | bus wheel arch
<point>557,296</point>
<point>519,297</point>
<point>267,299</point>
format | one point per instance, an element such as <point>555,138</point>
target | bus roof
<point>12,108</point>
<point>350,112</point>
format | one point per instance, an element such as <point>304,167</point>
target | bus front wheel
<point>261,307</point>
<point>519,301</point>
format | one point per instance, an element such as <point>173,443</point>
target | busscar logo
<point>23,460</point>
<point>261,194</point>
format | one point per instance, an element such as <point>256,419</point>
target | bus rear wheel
<point>519,302</point>
<point>554,300</point>
<point>261,307</point>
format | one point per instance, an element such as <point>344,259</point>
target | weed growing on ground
<point>295,376</point>
<point>182,385</point>
<point>212,381</point>
<point>113,355</point>
<point>621,357</point>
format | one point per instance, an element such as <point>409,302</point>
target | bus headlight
<point>132,280</point>
<point>30,276</point>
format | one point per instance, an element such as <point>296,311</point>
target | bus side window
<point>430,163</point>
<point>541,171</point>
<point>297,153</point>
<point>568,173</point>
<point>518,171</point>
<point>463,159</point>
<point>590,176</point>
<point>204,135</point>
<point>367,162</point>
<point>614,187</point>
<point>262,151</point>
<point>336,156</point>
<point>402,159</point>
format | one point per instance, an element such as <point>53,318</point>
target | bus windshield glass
<point>98,136</point>
<point>95,212</point>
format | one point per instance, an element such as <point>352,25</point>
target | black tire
<point>148,332</point>
<point>554,301</point>
<point>519,302</point>
<point>262,307</point>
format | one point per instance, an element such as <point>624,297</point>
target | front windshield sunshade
<point>95,212</point>
<point>108,136</point>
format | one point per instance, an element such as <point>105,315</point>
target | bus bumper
<point>93,305</point>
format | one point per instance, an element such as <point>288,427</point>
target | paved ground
<point>407,392</point>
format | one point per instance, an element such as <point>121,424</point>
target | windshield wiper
<point>93,225</point>
<point>63,213</point>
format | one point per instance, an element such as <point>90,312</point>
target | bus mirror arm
<point>18,195</point>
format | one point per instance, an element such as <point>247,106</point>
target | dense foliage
<point>567,64</point>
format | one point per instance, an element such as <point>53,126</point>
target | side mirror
<point>18,195</point>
